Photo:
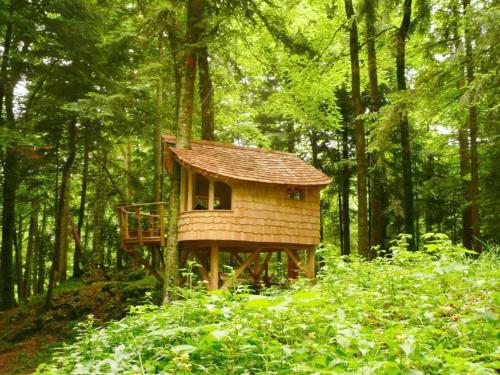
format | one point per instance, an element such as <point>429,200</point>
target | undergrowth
<point>432,311</point>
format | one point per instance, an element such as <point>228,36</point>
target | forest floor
<point>28,336</point>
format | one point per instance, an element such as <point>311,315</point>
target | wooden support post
<point>214,267</point>
<point>263,265</point>
<point>203,271</point>
<point>139,225</point>
<point>295,260</point>
<point>189,191</point>
<point>162,224</point>
<point>125,224</point>
<point>242,268</point>
<point>311,263</point>
<point>256,268</point>
<point>241,260</point>
<point>184,257</point>
<point>211,187</point>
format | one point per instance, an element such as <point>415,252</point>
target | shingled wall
<point>260,213</point>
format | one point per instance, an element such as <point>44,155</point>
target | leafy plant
<point>434,311</point>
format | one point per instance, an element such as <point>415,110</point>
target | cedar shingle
<point>248,163</point>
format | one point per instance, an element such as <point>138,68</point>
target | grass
<point>432,312</point>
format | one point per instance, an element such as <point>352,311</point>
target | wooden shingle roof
<point>223,160</point>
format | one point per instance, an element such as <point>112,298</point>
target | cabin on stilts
<point>239,206</point>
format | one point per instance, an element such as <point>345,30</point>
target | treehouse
<point>238,205</point>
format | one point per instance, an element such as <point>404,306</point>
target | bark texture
<point>184,126</point>
<point>404,126</point>
<point>473,126</point>
<point>359,134</point>
<point>206,95</point>
<point>376,176</point>
<point>97,259</point>
<point>60,219</point>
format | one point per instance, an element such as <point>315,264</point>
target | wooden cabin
<point>245,202</point>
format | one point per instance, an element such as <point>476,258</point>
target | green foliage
<point>433,311</point>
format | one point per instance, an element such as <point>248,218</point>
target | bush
<point>425,312</point>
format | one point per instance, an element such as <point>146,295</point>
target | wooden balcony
<point>142,225</point>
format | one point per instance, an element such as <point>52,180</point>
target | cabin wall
<point>260,213</point>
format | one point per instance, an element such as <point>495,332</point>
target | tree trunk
<point>18,264</point>
<point>359,135</point>
<point>175,48</point>
<point>97,258</point>
<point>157,172</point>
<point>345,189</point>
<point>313,142</point>
<point>5,60</point>
<point>63,253</point>
<point>158,127</point>
<point>463,144</point>
<point>60,219</point>
<point>77,257</point>
<point>184,125</point>
<point>185,121</point>
<point>473,126</point>
<point>290,137</point>
<point>377,186</point>
<point>128,171</point>
<point>10,172</point>
<point>404,126</point>
<point>42,253</point>
<point>30,250</point>
<point>206,95</point>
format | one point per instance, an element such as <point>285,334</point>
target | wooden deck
<point>142,225</point>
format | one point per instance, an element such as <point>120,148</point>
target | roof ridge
<point>230,145</point>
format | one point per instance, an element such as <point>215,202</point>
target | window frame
<point>188,192</point>
<point>294,190</point>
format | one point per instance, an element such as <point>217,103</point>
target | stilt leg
<point>311,263</point>
<point>293,264</point>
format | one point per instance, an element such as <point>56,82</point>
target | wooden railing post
<point>162,225</point>
<point>211,199</point>
<point>126,230</point>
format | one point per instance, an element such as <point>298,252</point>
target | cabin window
<point>222,196</point>
<point>296,194</point>
<point>201,192</point>
<point>208,194</point>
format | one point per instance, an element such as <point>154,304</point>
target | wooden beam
<point>311,263</point>
<point>189,191</point>
<point>263,265</point>
<point>214,267</point>
<point>203,270</point>
<point>138,258</point>
<point>184,257</point>
<point>292,256</point>
<point>211,187</point>
<point>241,260</point>
<point>242,268</point>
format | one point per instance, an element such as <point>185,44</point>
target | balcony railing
<point>142,224</point>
